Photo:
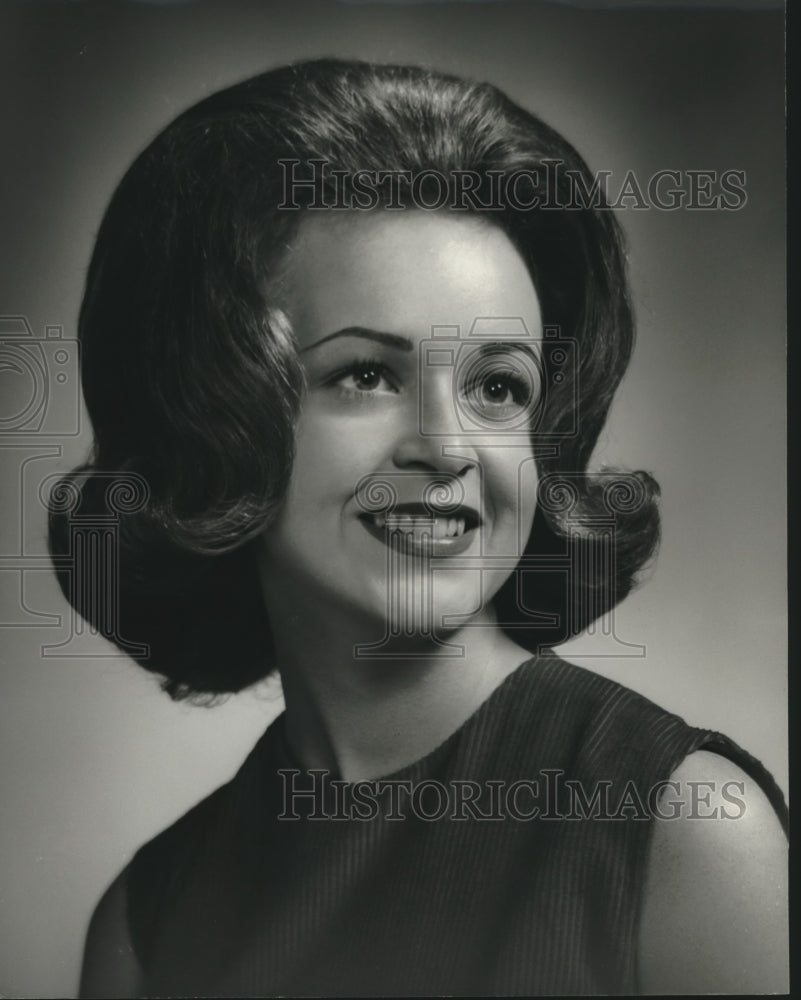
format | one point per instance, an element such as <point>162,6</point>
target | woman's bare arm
<point>715,913</point>
<point>110,966</point>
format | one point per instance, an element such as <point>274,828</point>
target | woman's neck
<point>363,717</point>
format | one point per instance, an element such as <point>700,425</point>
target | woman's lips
<point>423,534</point>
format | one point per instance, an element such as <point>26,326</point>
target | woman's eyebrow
<point>389,339</point>
<point>509,346</point>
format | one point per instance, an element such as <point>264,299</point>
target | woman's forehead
<point>403,271</point>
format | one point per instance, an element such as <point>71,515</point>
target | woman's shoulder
<point>118,937</point>
<point>714,915</point>
<point>609,732</point>
<point>599,716</point>
<point>161,867</point>
<point>588,694</point>
<point>715,900</point>
<point>111,967</point>
<point>189,830</point>
<point>155,863</point>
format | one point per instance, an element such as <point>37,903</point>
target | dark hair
<point>192,382</point>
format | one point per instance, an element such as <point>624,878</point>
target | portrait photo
<point>393,588</point>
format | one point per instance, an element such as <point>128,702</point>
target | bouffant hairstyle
<point>193,384</point>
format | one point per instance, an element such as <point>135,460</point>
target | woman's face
<point>389,403</point>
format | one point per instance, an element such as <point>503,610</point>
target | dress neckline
<point>281,753</point>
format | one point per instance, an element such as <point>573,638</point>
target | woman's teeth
<point>439,527</point>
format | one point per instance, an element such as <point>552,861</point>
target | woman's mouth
<point>413,530</point>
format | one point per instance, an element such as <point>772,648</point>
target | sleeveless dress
<point>508,861</point>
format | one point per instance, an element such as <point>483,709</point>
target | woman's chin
<point>419,610</point>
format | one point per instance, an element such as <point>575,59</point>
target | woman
<point>358,328</point>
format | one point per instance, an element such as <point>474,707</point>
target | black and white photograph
<point>393,580</point>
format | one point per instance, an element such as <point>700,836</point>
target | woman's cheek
<point>510,484</point>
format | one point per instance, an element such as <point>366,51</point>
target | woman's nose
<point>433,437</point>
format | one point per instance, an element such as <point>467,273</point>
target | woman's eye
<point>498,389</point>
<point>363,378</point>
<point>499,393</point>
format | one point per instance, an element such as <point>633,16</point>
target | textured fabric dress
<point>510,860</point>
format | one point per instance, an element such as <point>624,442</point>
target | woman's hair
<point>192,381</point>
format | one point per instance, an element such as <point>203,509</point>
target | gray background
<point>94,758</point>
